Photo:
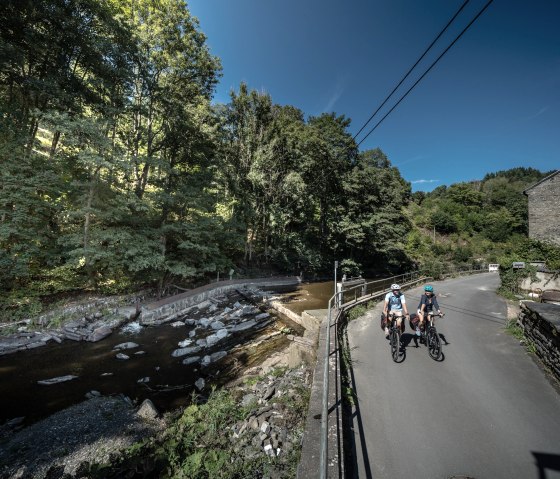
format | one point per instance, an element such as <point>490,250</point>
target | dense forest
<point>119,172</point>
<point>477,222</point>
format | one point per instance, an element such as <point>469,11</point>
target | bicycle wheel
<point>395,345</point>
<point>433,343</point>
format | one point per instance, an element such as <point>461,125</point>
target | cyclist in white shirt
<point>395,302</point>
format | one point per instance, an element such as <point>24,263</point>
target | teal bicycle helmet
<point>429,288</point>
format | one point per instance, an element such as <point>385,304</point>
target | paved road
<point>486,411</point>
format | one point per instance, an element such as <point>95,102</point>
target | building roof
<point>546,178</point>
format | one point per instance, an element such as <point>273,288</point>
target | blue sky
<point>491,103</point>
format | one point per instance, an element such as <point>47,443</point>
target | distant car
<point>493,267</point>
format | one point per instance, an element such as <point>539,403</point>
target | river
<point>22,396</point>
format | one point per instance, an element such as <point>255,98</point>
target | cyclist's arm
<point>386,307</point>
<point>436,305</point>
<point>422,305</point>
<point>405,309</point>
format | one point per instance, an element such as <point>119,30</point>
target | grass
<point>356,312</point>
<point>517,332</point>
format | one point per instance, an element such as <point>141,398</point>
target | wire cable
<point>319,179</point>
<point>413,67</point>
<point>428,70</point>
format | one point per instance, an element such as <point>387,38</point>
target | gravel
<point>87,432</point>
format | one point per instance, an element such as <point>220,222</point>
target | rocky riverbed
<point>98,434</point>
<point>215,340</point>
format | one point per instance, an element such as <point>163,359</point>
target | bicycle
<point>395,336</point>
<point>431,337</point>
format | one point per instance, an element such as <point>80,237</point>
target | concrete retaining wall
<point>544,281</point>
<point>541,325</point>
<point>169,308</point>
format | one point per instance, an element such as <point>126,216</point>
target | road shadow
<point>546,462</point>
<point>351,412</point>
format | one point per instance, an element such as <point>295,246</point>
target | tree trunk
<point>87,218</point>
<point>54,144</point>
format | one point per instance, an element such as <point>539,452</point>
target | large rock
<point>204,322</point>
<point>206,360</point>
<point>73,335</point>
<point>262,316</point>
<point>212,339</point>
<point>217,325</point>
<point>185,351</point>
<point>246,310</point>
<point>98,334</point>
<point>203,305</point>
<point>242,326</point>
<point>122,356</point>
<point>123,346</point>
<point>200,383</point>
<point>177,324</point>
<point>185,343</point>
<point>147,410</point>
<point>60,379</point>
<point>218,355</point>
<point>222,333</point>
<point>191,360</point>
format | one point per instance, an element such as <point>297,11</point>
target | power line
<point>426,72</point>
<point>413,67</point>
<point>290,203</point>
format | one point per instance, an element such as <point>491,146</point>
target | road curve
<point>486,410</point>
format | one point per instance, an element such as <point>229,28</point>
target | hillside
<point>470,223</point>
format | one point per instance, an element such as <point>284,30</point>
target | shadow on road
<point>545,461</point>
<point>351,412</point>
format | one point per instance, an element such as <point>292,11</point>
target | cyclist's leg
<point>399,317</point>
<point>387,323</point>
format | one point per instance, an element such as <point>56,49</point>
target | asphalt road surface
<point>487,410</point>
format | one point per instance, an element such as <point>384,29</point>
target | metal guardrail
<point>349,298</point>
<point>335,303</point>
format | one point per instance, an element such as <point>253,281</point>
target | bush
<point>350,268</point>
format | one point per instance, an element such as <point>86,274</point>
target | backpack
<point>395,300</point>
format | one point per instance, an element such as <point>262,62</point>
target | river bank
<point>222,339</point>
<point>108,438</point>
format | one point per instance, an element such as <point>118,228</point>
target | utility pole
<point>335,291</point>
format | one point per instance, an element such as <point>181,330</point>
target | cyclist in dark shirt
<point>428,302</point>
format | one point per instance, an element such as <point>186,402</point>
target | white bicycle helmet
<point>395,286</point>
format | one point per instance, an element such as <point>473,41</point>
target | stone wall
<point>544,281</point>
<point>544,210</point>
<point>541,325</point>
